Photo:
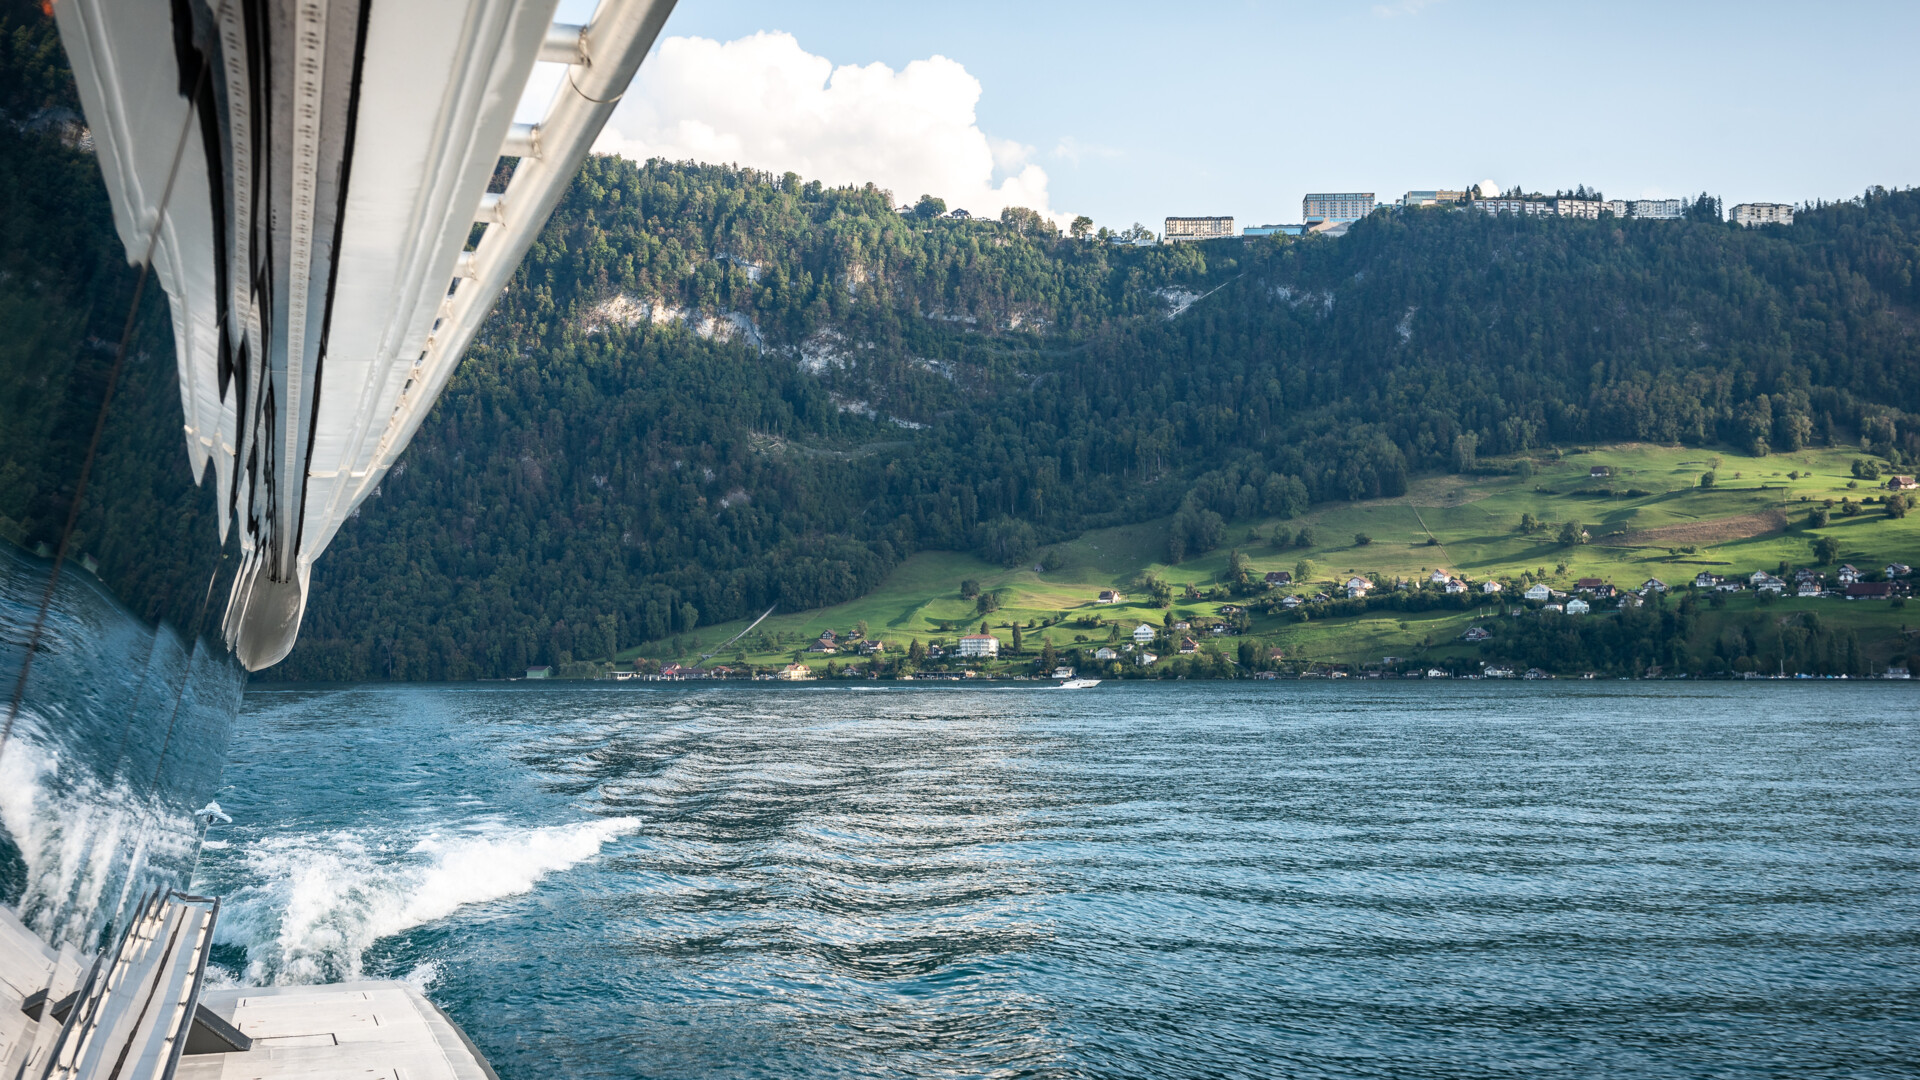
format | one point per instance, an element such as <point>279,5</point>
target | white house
<point>1456,587</point>
<point>1762,213</point>
<point>1439,577</point>
<point>1577,607</point>
<point>1539,591</point>
<point>1289,602</point>
<point>1849,575</point>
<point>1669,209</point>
<point>1105,653</point>
<point>1653,585</point>
<point>1489,587</point>
<point>1143,658</point>
<point>1108,596</point>
<point>1143,633</point>
<point>978,645</point>
<point>1705,580</point>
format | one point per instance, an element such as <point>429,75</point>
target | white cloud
<point>765,102</point>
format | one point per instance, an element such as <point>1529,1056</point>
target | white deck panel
<point>360,1030</point>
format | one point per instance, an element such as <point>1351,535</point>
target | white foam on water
<point>319,901</point>
<point>423,976</point>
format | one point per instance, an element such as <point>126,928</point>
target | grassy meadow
<point>1650,518</point>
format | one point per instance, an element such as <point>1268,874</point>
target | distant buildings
<point>1513,206</point>
<point>1590,209</point>
<point>1762,213</point>
<point>978,645</point>
<point>1562,206</point>
<point>1337,206</point>
<point>1429,198</point>
<point>1183,229</point>
<point>1331,212</point>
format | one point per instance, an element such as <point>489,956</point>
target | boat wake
<point>321,900</point>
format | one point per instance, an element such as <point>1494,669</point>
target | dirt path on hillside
<point>1703,533</point>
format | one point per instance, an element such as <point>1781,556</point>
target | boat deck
<point>375,1030</point>
<point>368,1030</point>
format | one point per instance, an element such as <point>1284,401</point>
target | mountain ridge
<point>1076,398</point>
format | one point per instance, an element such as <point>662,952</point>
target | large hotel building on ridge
<point>1198,228</point>
<point>1342,206</point>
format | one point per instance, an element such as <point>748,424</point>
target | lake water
<point>1222,880</point>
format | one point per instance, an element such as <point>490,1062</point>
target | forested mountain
<point>709,390</point>
<point>712,390</point>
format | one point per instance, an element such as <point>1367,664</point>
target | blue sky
<point>1135,111</point>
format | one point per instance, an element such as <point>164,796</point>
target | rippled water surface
<point>1333,880</point>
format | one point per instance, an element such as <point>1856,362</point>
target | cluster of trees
<point>1676,638</point>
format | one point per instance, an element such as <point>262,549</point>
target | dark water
<point>1334,880</point>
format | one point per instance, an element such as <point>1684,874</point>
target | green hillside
<point>711,391</point>
<point>1649,519</point>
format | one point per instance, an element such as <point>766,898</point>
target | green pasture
<point>1753,518</point>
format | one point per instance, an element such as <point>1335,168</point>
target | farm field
<point>1649,519</point>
